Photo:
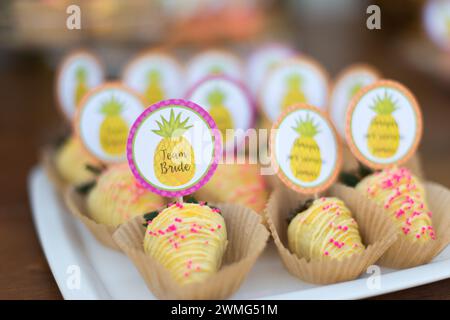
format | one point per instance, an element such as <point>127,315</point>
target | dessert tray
<point>101,273</point>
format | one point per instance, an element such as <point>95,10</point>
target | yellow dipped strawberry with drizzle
<point>325,229</point>
<point>71,162</point>
<point>236,183</point>
<point>117,197</point>
<point>188,239</point>
<point>403,197</point>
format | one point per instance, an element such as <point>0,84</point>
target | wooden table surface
<point>28,120</point>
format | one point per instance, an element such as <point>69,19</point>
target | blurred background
<point>34,38</point>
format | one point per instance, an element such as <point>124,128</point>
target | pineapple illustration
<point>294,93</point>
<point>173,161</point>
<point>215,70</point>
<point>154,91</point>
<point>383,136</point>
<point>447,25</point>
<point>355,89</point>
<point>219,111</point>
<point>114,129</point>
<point>305,158</point>
<point>81,86</point>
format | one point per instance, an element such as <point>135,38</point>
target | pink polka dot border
<point>214,131</point>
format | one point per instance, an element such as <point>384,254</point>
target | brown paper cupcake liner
<point>48,156</point>
<point>247,238</point>
<point>405,253</point>
<point>76,204</point>
<point>376,231</point>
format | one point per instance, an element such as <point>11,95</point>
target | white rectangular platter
<point>84,269</point>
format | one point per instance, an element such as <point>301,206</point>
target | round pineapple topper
<point>305,149</point>
<point>154,74</point>
<point>79,72</point>
<point>228,103</point>
<point>213,62</point>
<point>104,118</point>
<point>348,83</point>
<point>174,147</point>
<point>384,124</point>
<point>436,20</point>
<point>297,80</point>
<point>262,60</point>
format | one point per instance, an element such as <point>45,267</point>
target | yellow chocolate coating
<point>236,183</point>
<point>189,240</point>
<point>118,197</point>
<point>403,197</point>
<point>71,160</point>
<point>325,230</point>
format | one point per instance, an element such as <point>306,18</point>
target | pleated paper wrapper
<point>76,203</point>
<point>405,253</point>
<point>376,230</point>
<point>247,239</point>
<point>48,156</point>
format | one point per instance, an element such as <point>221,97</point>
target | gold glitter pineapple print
<point>294,92</point>
<point>174,162</point>
<point>305,157</point>
<point>154,91</point>
<point>80,84</point>
<point>383,136</point>
<point>114,128</point>
<point>219,112</point>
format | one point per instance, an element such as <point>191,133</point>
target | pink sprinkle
<point>178,220</point>
<point>418,236</point>
<point>172,228</point>
<point>399,213</point>
<point>212,229</point>
<point>219,226</point>
<point>206,242</point>
<point>182,236</point>
<point>198,268</point>
<point>345,228</point>
<point>326,253</point>
<point>331,240</point>
<point>193,230</point>
<point>186,274</point>
<point>161,232</point>
<point>202,203</point>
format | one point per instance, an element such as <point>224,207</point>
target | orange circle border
<point>67,59</point>
<point>415,106</point>
<point>291,61</point>
<point>339,157</point>
<point>346,71</point>
<point>92,92</point>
